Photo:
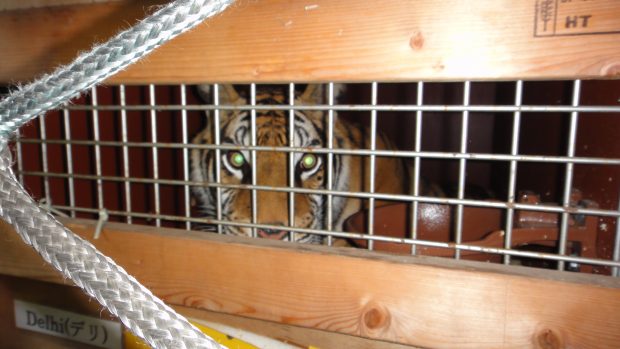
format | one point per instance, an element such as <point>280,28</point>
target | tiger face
<point>272,170</point>
<point>270,166</point>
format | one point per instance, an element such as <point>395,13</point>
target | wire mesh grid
<point>526,171</point>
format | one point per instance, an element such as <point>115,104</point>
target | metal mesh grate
<point>497,151</point>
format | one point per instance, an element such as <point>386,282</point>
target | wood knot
<point>612,70</point>
<point>375,318</point>
<point>416,41</point>
<point>548,339</point>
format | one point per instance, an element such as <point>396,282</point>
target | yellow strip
<point>132,342</point>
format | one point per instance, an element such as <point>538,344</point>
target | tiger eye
<point>236,159</point>
<point>308,161</point>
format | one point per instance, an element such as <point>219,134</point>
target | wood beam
<point>348,40</point>
<point>71,298</point>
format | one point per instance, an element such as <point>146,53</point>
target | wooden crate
<point>344,295</point>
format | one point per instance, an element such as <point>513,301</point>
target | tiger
<point>350,172</point>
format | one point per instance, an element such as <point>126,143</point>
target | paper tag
<point>65,324</point>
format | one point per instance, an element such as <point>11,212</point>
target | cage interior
<point>514,172</point>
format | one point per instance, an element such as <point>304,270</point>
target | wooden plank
<point>72,299</point>
<point>36,41</point>
<point>19,259</point>
<point>420,301</point>
<point>298,336</point>
<point>348,40</point>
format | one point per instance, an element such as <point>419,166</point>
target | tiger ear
<point>313,94</point>
<point>319,93</point>
<point>227,95</point>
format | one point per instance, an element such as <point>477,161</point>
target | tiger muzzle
<point>274,234</point>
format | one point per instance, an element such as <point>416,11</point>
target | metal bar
<point>184,137</point>
<point>373,146</point>
<point>124,136</point>
<point>362,152</point>
<point>360,195</point>
<point>447,245</point>
<point>398,153</point>
<point>44,163</point>
<point>253,155</point>
<point>381,108</point>
<point>462,166</point>
<point>95,118</point>
<point>616,255</point>
<point>152,102</point>
<point>330,161</point>
<point>568,179</point>
<point>291,160</point>
<point>69,156</point>
<point>218,155</point>
<point>512,176</point>
<point>417,163</point>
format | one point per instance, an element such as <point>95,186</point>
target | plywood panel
<point>425,302</point>
<point>347,40</point>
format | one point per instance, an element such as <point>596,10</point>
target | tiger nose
<point>274,234</point>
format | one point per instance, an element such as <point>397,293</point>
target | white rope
<point>103,61</point>
<point>139,310</point>
<point>143,313</point>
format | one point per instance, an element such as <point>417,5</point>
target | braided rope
<point>146,315</point>
<point>104,61</point>
<point>143,313</point>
